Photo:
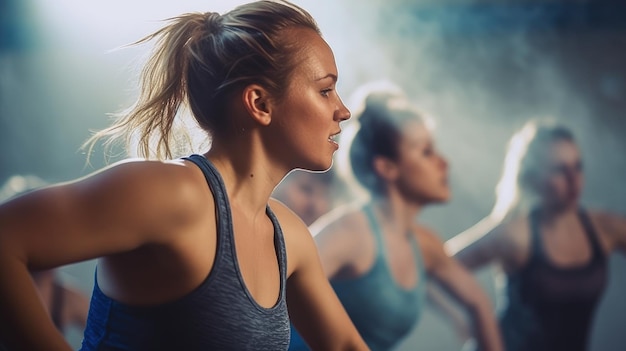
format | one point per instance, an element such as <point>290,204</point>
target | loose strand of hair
<point>162,92</point>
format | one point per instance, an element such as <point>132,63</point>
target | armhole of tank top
<point>591,234</point>
<point>56,310</point>
<point>536,248</point>
<point>281,249</point>
<point>368,210</point>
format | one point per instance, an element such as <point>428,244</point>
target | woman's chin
<point>444,195</point>
<point>318,166</point>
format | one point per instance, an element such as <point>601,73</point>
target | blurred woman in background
<point>376,254</point>
<point>552,249</point>
<point>308,194</point>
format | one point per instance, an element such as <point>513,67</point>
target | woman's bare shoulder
<point>344,220</point>
<point>176,187</point>
<point>611,227</point>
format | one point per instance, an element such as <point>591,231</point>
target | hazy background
<point>480,68</point>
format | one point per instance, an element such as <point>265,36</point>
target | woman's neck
<point>553,215</point>
<point>249,174</point>
<point>398,213</point>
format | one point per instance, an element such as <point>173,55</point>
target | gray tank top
<point>220,314</point>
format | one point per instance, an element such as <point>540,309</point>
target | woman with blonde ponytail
<point>193,254</point>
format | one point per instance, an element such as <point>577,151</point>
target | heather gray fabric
<point>220,314</point>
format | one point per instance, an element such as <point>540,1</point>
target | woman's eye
<point>325,92</point>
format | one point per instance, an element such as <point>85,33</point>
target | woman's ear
<point>257,102</point>
<point>385,168</point>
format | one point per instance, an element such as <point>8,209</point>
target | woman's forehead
<point>561,151</point>
<point>317,60</point>
<point>415,131</point>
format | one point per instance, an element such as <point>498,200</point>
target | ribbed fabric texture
<point>220,314</point>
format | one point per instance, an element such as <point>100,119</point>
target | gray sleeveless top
<point>220,314</point>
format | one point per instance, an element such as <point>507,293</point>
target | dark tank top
<point>550,307</point>
<point>220,314</point>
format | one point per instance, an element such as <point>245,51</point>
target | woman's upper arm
<point>314,308</point>
<point>463,286</point>
<point>78,304</point>
<point>478,245</point>
<point>113,210</point>
<point>454,277</point>
<point>335,250</point>
<point>615,228</point>
<point>445,269</point>
<point>620,233</point>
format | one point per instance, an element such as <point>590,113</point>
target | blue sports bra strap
<point>368,209</point>
<point>417,251</point>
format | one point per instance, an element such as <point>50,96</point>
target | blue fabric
<point>220,314</point>
<point>296,343</point>
<point>382,311</point>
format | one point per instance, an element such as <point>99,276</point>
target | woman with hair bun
<point>376,254</point>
